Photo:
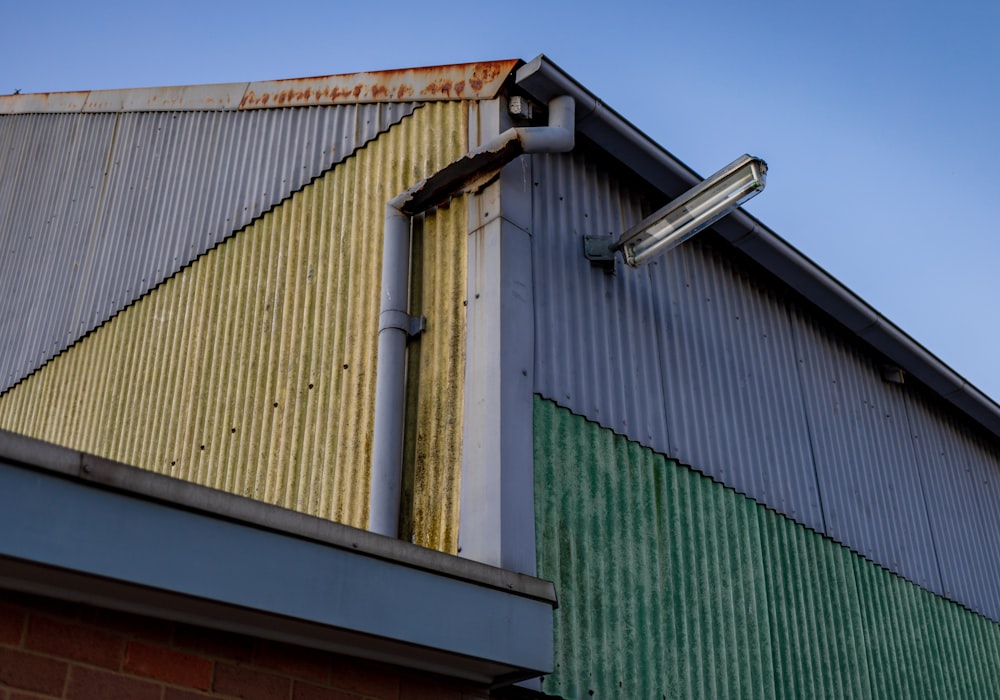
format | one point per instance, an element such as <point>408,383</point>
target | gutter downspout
<point>395,324</point>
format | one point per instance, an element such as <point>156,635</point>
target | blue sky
<point>880,120</point>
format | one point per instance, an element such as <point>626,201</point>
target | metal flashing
<point>463,81</point>
<point>309,580</point>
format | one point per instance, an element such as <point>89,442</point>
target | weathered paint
<point>461,81</point>
<point>97,209</point>
<point>704,357</point>
<point>252,370</point>
<point>435,405</point>
<point>672,585</point>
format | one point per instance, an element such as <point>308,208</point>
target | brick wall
<point>53,649</point>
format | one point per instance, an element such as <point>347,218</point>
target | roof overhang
<point>543,80</point>
<point>80,528</point>
<point>462,81</point>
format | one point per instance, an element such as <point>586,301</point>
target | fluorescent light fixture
<point>693,211</point>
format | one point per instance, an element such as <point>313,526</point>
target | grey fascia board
<point>541,78</point>
<point>132,537</point>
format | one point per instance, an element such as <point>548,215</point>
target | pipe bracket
<point>400,320</point>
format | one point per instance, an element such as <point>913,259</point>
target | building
<point>245,323</point>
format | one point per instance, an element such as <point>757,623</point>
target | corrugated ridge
<point>585,346</point>
<point>957,469</point>
<point>436,400</point>
<point>723,370</point>
<point>866,465</point>
<point>104,207</point>
<point>252,370</point>
<point>647,605</point>
<point>726,351</point>
<point>672,585</point>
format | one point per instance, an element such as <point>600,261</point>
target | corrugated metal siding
<point>734,406</point>
<point>436,400</point>
<point>678,355</point>
<point>588,324</point>
<point>672,585</point>
<point>703,358</point>
<point>959,469</point>
<point>865,462</point>
<point>252,370</point>
<point>97,209</point>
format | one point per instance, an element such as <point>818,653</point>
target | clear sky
<point>880,119</point>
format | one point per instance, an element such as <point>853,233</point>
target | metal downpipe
<point>394,320</point>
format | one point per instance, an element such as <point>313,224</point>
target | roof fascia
<point>542,80</point>
<point>77,527</point>
<point>463,81</point>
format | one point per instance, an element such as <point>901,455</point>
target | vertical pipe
<point>390,384</point>
<point>390,371</point>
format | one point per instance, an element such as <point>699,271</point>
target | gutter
<point>541,79</point>
<point>396,325</point>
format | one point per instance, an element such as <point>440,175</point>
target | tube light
<point>693,211</point>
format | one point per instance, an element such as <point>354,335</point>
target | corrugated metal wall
<point>701,358</point>
<point>674,586</point>
<point>252,370</point>
<point>96,209</point>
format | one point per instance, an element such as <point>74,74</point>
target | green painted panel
<point>674,586</point>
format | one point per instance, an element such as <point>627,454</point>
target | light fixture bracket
<point>601,252</point>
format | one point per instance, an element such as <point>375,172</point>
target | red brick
<point>180,694</point>
<point>364,678</point>
<point>73,640</point>
<point>308,691</point>
<point>12,619</point>
<point>95,684</point>
<point>225,645</point>
<point>310,664</point>
<point>416,688</point>
<point>149,629</point>
<point>249,684</point>
<point>168,665</point>
<point>27,671</point>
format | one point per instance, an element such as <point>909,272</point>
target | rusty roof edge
<point>460,81</point>
<point>543,79</point>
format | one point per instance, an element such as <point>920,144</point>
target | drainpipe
<point>396,326</point>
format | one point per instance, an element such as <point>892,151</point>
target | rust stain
<point>449,82</point>
<point>457,81</point>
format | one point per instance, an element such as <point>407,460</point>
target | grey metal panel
<point>728,373</point>
<point>50,521</point>
<point>872,496</point>
<point>543,80</point>
<point>960,472</point>
<point>595,334</point>
<point>97,209</point>
<point>734,407</point>
<point>679,355</point>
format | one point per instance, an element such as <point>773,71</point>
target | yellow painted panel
<point>434,435</point>
<point>253,370</point>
